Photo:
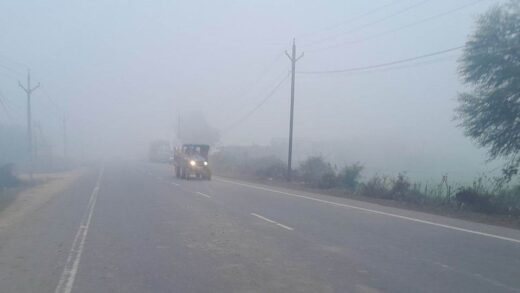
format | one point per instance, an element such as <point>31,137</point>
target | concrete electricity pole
<point>293,59</point>
<point>28,90</point>
<point>64,137</point>
<point>179,127</point>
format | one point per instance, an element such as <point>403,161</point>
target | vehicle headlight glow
<point>205,163</point>
<point>193,163</point>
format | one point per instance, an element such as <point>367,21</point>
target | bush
<point>236,164</point>
<point>477,201</point>
<point>375,187</point>
<point>383,187</point>
<point>400,187</point>
<point>315,172</point>
<point>270,168</point>
<point>509,200</point>
<point>349,176</point>
<point>328,180</point>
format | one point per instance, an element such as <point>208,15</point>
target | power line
<point>58,109</point>
<point>401,27</point>
<point>266,69</point>
<point>363,68</point>
<point>399,12</point>
<point>401,67</point>
<point>331,27</point>
<point>4,106</point>
<point>262,102</point>
<point>9,75</point>
<point>18,73</point>
<point>406,66</point>
<point>484,49</point>
<point>11,60</point>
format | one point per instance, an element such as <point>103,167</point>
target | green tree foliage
<point>350,175</point>
<point>490,65</point>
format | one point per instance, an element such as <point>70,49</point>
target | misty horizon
<point>123,77</point>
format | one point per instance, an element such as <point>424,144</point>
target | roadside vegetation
<point>485,195</point>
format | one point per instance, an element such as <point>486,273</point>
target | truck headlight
<point>193,163</point>
<point>205,163</point>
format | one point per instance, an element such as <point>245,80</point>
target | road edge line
<point>70,270</point>
<point>376,212</point>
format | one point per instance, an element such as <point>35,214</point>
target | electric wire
<point>350,20</point>
<point>259,105</point>
<point>386,64</point>
<point>415,23</point>
<point>380,20</point>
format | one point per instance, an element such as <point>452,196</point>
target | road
<point>132,227</point>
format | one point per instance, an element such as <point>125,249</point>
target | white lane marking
<point>272,222</point>
<point>71,267</point>
<point>378,212</point>
<point>203,194</point>
<point>176,184</point>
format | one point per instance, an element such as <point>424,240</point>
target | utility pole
<point>28,90</point>
<point>293,59</point>
<point>179,127</point>
<point>64,137</point>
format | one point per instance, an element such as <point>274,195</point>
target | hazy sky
<point>123,70</point>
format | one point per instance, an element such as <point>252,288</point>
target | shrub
<point>349,176</point>
<point>400,187</point>
<point>509,200</point>
<point>477,201</point>
<point>315,172</point>
<point>328,180</point>
<point>270,168</point>
<point>375,187</point>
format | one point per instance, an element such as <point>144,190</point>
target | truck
<point>159,151</point>
<point>191,161</point>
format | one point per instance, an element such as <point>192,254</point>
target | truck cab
<point>191,160</point>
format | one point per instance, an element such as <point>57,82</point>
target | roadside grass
<point>11,184</point>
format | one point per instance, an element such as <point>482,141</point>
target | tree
<point>349,176</point>
<point>490,65</point>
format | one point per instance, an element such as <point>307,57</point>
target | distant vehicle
<point>159,152</point>
<point>191,160</point>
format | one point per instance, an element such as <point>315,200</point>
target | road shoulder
<point>383,210</point>
<point>25,200</point>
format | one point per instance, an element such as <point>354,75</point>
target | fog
<point>123,73</point>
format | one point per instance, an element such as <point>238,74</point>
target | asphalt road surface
<point>132,227</point>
